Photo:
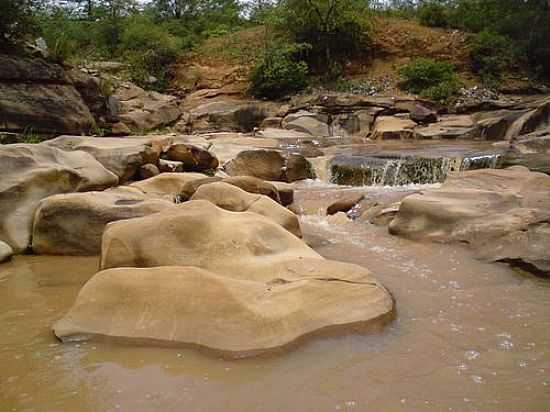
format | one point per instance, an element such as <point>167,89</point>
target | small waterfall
<point>388,171</point>
<point>481,161</point>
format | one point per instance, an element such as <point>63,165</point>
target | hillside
<point>225,62</point>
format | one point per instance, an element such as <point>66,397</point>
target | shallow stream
<point>468,336</point>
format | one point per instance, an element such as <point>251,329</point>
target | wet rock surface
<point>234,259</point>
<point>502,214</point>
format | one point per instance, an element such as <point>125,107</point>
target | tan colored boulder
<point>392,127</point>
<point>122,156</point>
<point>254,185</point>
<point>6,252</point>
<point>191,187</point>
<point>194,158</point>
<point>30,173</point>
<point>73,224</point>
<point>344,205</point>
<point>263,164</point>
<point>205,236</point>
<point>147,171</point>
<point>298,168</point>
<point>234,199</point>
<point>192,306</point>
<point>166,185</point>
<point>449,127</point>
<point>503,214</point>
<point>286,192</point>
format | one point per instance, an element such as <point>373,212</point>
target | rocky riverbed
<point>258,245</point>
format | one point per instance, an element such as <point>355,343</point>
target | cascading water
<point>403,170</point>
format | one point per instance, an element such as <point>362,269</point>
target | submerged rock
<point>239,283</point>
<point>30,173</point>
<point>503,214</point>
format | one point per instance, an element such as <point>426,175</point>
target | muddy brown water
<point>468,336</point>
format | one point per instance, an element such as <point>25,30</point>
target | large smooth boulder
<point>194,158</point>
<point>391,127</point>
<point>503,214</point>
<point>166,185</point>
<point>30,173</point>
<point>270,165</point>
<point>39,96</point>
<point>237,283</point>
<point>305,122</point>
<point>252,184</point>
<point>189,305</point>
<point>73,224</point>
<point>228,115</point>
<point>531,151</point>
<point>5,252</point>
<point>122,156</point>
<point>234,199</point>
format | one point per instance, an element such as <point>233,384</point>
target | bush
<point>430,78</point>
<point>433,14</point>
<point>150,49</point>
<point>490,54</point>
<point>280,73</point>
<point>16,21</point>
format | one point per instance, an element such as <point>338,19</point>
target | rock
<point>205,236</point>
<point>344,205</point>
<point>390,127</point>
<point>6,252</point>
<point>271,122</point>
<point>122,156</point>
<point>31,173</point>
<point>147,171</point>
<point>339,218</point>
<point>39,96</point>
<point>532,121</point>
<point>235,199</point>
<point>228,115</point>
<point>263,164</point>
<point>120,129</point>
<point>141,110</point>
<point>286,192</point>
<point>298,168</point>
<point>502,214</point>
<point>239,283</point>
<point>72,224</point>
<point>191,187</point>
<point>531,151</point>
<point>166,185</point>
<point>254,185</point>
<point>305,122</point>
<point>193,306</point>
<point>194,158</point>
<point>449,127</point>
<point>495,125</point>
<point>170,166</point>
<point>422,115</point>
<point>90,88</point>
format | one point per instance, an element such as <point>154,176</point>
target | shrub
<point>433,14</point>
<point>430,78</point>
<point>150,49</point>
<point>16,21</point>
<point>280,73</point>
<point>490,54</point>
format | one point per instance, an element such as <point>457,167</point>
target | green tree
<point>334,29</point>
<point>16,21</point>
